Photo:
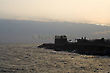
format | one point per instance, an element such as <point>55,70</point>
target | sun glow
<point>80,11</point>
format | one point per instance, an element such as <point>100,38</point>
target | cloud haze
<point>79,11</point>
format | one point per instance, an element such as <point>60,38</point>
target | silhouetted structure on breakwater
<point>82,46</point>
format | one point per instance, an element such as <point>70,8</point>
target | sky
<point>76,11</point>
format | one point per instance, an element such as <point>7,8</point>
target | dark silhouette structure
<point>61,40</point>
<point>82,46</point>
<point>95,47</point>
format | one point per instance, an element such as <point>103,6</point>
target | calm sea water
<point>14,31</point>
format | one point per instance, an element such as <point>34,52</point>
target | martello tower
<point>60,40</point>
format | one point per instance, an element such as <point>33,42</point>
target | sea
<point>25,31</point>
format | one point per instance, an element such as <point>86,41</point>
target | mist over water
<point>17,31</point>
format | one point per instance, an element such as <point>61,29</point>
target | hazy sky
<point>80,11</point>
